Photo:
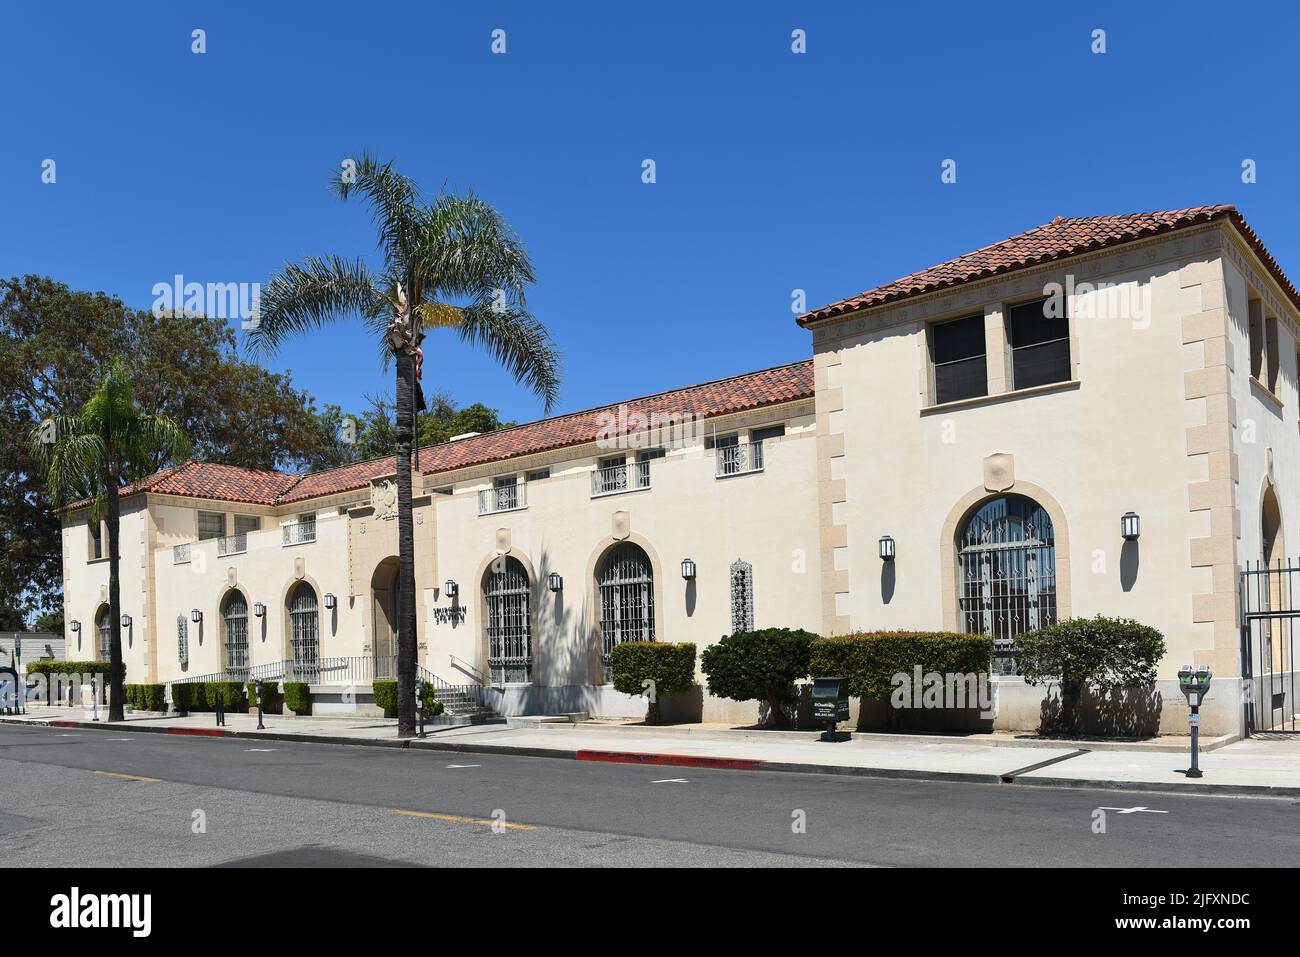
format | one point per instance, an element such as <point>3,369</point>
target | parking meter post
<point>94,699</point>
<point>259,697</point>
<point>419,703</point>
<point>1194,684</point>
<point>219,709</point>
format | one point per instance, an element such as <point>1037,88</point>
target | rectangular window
<point>538,475</point>
<point>722,441</point>
<point>1040,345</point>
<point>211,525</point>
<point>767,432</point>
<point>1273,363</point>
<point>247,523</point>
<point>96,540</point>
<point>1255,310</point>
<point>957,354</point>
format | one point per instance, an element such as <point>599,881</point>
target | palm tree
<point>92,455</point>
<point>436,253</point>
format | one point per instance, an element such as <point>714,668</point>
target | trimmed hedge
<point>385,693</point>
<point>869,660</point>
<point>670,666</point>
<point>50,667</point>
<point>270,696</point>
<point>183,697</point>
<point>297,696</point>
<point>151,697</point>
<point>762,665</point>
<point>234,696</point>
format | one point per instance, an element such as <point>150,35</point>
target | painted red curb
<point>65,724</point>
<point>200,732</point>
<point>677,760</point>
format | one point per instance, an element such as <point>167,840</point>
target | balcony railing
<point>739,459</point>
<point>298,533</point>
<point>233,544</point>
<point>181,553</point>
<point>620,478</point>
<point>503,498</point>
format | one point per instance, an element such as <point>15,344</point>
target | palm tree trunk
<point>406,638</point>
<point>117,690</point>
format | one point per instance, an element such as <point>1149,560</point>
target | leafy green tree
<point>54,342</point>
<point>108,444</point>
<point>1098,654</point>
<point>11,619</point>
<point>450,262</point>
<point>50,621</point>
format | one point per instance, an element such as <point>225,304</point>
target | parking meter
<point>1194,683</point>
<point>259,696</point>
<point>419,702</point>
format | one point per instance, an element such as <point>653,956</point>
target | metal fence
<point>1269,612</point>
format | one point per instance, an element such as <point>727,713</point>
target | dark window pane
<point>960,380</point>
<point>1028,326</point>
<point>1042,364</point>
<point>958,339</point>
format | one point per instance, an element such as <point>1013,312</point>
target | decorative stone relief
<point>622,525</point>
<point>999,472</point>
<point>299,568</point>
<point>383,499</point>
<point>232,576</point>
<point>503,540</point>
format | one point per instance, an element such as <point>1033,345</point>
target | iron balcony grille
<point>298,533</point>
<point>503,498</point>
<point>620,478</point>
<point>232,544</point>
<point>739,459</point>
<point>509,625</point>
<point>181,553</point>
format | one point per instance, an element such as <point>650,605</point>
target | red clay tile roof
<point>229,483</point>
<point>1055,240</point>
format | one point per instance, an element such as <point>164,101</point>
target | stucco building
<point>987,422</point>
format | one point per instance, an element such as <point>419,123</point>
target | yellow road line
<point>455,819</point>
<point>129,777</point>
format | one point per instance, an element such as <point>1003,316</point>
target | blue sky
<point>775,171</point>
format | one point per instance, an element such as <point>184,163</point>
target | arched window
<point>627,606</point>
<point>235,620</point>
<point>103,628</point>
<point>742,596</point>
<point>304,638</point>
<point>182,641</point>
<point>510,646</point>
<point>1007,555</point>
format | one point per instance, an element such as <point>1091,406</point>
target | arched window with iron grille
<point>104,629</point>
<point>625,580</point>
<point>742,596</point>
<point>510,645</point>
<point>235,621</point>
<point>1007,557</point>
<point>304,636</point>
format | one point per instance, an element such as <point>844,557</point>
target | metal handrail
<point>503,498</point>
<point>623,477</point>
<point>739,459</point>
<point>232,544</point>
<point>298,533</point>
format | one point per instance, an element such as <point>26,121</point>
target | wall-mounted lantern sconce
<point>259,609</point>
<point>1130,526</point>
<point>555,582</point>
<point>76,625</point>
<point>196,616</point>
<point>330,600</point>
<point>688,569</point>
<point>126,621</point>
<point>449,588</point>
<point>887,548</point>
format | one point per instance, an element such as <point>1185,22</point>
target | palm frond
<point>306,295</point>
<point>467,249</point>
<point>394,201</point>
<point>520,343</point>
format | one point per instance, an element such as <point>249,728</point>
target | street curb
<point>687,760</point>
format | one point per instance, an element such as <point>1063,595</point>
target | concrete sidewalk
<point>1252,767</point>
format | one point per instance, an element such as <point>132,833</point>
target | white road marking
<point>258,750</point>
<point>464,765</point>
<point>671,781</point>
<point>1132,810</point>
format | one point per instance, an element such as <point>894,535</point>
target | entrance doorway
<point>385,594</point>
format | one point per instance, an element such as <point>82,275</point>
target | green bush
<point>183,697</point>
<point>868,661</point>
<point>385,693</point>
<point>762,665</point>
<point>297,696</point>
<point>1101,654</point>
<point>234,696</point>
<point>199,697</point>
<point>671,668</point>
<point>147,697</point>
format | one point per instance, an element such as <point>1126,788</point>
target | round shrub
<point>759,665</point>
<point>297,697</point>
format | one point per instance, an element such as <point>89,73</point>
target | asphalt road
<point>96,798</point>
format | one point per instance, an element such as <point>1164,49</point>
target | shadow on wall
<point>683,707</point>
<point>1128,713</point>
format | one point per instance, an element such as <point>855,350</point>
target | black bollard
<point>220,708</point>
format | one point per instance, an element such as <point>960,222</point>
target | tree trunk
<point>406,636</point>
<point>116,685</point>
